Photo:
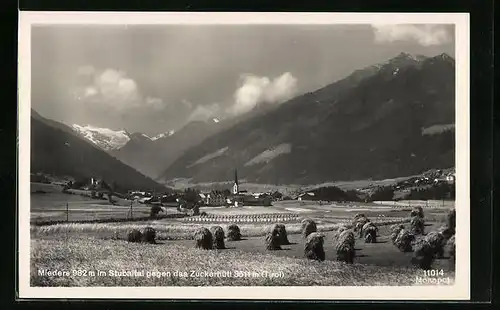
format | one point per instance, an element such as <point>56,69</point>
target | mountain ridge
<point>374,116</point>
<point>57,149</point>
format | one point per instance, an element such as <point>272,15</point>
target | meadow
<point>178,265</point>
<point>78,245</point>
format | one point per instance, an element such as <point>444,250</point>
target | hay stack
<point>233,232</point>
<point>417,211</point>
<point>370,234</point>
<point>395,230</point>
<point>403,241</point>
<point>308,227</point>
<point>203,239</point>
<point>149,235</point>
<point>417,225</point>
<point>218,237</point>
<point>345,247</point>
<point>314,247</point>
<point>359,221</point>
<point>451,247</point>
<point>437,243</point>
<point>423,255</point>
<point>281,232</point>
<point>272,240</point>
<point>134,236</point>
<point>427,249</point>
<point>358,215</point>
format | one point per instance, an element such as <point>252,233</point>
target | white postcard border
<point>459,291</point>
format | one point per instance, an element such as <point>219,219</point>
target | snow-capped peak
<point>104,138</point>
<point>163,135</point>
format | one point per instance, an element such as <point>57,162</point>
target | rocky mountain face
<point>388,120</point>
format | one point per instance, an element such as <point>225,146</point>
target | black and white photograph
<point>293,155</point>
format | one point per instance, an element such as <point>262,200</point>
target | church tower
<point>236,188</point>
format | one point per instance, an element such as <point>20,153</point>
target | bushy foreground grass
<point>172,230</point>
<point>91,254</point>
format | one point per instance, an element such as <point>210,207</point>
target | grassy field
<point>102,246</point>
<point>177,265</point>
<point>49,204</point>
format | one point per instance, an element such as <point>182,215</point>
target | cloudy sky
<point>152,79</point>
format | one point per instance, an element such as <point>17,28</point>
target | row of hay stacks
<point>343,242</point>
<point>425,247</point>
<point>365,228</point>
<point>148,235</point>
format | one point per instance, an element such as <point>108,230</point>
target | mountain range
<point>58,150</point>
<point>388,120</point>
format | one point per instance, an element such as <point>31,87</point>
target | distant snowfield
<point>104,138</point>
<point>163,135</point>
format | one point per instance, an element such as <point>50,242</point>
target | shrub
<point>134,236</point>
<point>272,240</point>
<point>155,209</point>
<point>450,220</point>
<point>203,239</point>
<point>404,241</point>
<point>345,247</point>
<point>417,225</point>
<point>308,227</point>
<point>218,237</point>
<point>196,209</point>
<point>314,247</point>
<point>149,235</point>
<point>281,232</point>
<point>233,232</point>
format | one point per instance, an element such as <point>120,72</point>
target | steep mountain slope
<point>57,150</point>
<point>151,157</point>
<point>371,124</point>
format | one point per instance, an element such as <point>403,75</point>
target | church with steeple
<point>236,186</point>
<point>240,197</point>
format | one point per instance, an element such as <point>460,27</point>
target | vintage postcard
<point>282,156</point>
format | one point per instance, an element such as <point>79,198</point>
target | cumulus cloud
<point>155,103</point>
<point>112,89</point>
<point>205,112</point>
<point>254,90</point>
<point>188,104</point>
<point>425,35</point>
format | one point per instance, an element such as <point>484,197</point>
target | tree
<point>382,193</point>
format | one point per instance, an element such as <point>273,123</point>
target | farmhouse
<point>213,199</point>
